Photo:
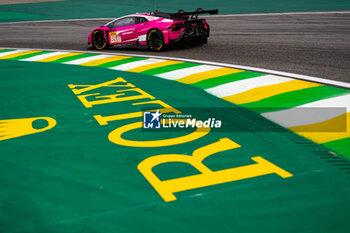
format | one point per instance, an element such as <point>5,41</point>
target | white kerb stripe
<point>237,87</point>
<point>311,113</point>
<point>177,74</point>
<point>43,56</point>
<point>135,64</point>
<point>87,59</point>
<point>336,102</point>
<point>12,52</point>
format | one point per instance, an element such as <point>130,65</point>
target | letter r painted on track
<point>167,188</point>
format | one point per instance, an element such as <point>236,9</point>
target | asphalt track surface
<point>309,44</point>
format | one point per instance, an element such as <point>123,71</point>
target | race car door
<point>124,31</point>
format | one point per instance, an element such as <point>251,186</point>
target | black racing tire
<point>99,40</point>
<point>155,40</point>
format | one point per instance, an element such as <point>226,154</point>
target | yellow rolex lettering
<point>103,120</point>
<point>167,188</point>
<point>93,87</point>
<point>126,85</point>
<point>116,137</point>
<point>83,99</point>
<point>105,99</point>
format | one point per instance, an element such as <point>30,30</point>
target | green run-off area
<point>110,8</point>
<point>72,178</point>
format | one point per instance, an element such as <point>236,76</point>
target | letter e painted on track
<point>106,99</point>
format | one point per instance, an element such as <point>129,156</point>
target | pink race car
<point>155,30</point>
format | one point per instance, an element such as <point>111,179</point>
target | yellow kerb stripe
<point>54,58</point>
<point>335,124</point>
<point>193,78</point>
<point>104,60</point>
<point>260,93</point>
<point>20,54</point>
<point>155,65</point>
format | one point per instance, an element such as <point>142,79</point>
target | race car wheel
<point>99,39</point>
<point>155,40</point>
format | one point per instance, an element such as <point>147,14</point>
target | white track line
<point>209,16</point>
<point>43,56</point>
<point>249,68</point>
<point>136,64</point>
<point>86,59</point>
<point>237,87</point>
<point>177,74</point>
<point>311,113</point>
<point>12,52</point>
<point>58,20</point>
<point>282,13</point>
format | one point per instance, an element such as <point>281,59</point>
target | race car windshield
<point>124,22</point>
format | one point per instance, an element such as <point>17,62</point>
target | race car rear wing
<point>182,13</point>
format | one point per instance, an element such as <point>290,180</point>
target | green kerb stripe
<point>121,62</point>
<point>295,98</point>
<point>6,50</point>
<point>30,55</point>
<point>341,146</point>
<point>74,57</point>
<point>169,68</point>
<point>213,82</point>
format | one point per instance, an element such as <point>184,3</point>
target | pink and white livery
<point>155,30</point>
